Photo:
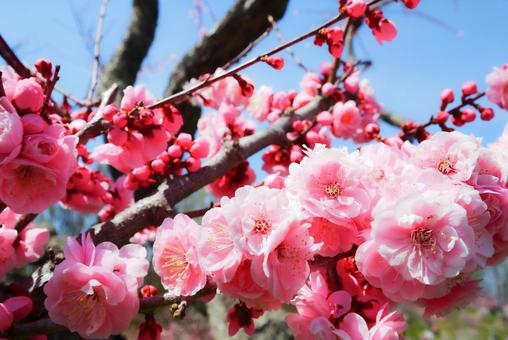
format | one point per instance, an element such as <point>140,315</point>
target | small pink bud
<point>200,148</point>
<point>184,140</point>
<point>441,117</point>
<point>275,62</point>
<point>148,291</point>
<point>175,151</point>
<point>328,89</point>
<point>457,121</point>
<point>28,95</point>
<point>372,130</point>
<point>468,115</point>
<point>324,118</point>
<point>356,8</point>
<point>487,113</point>
<point>469,88</point>
<point>158,165</point>
<point>312,137</point>
<point>43,66</point>
<point>447,96</point>
<point>141,173</point>
<point>192,164</point>
<point>296,154</point>
<point>411,4</point>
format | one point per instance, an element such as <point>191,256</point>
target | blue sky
<point>441,44</point>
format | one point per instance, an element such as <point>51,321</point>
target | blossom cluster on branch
<point>342,236</point>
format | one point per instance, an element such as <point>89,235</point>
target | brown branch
<point>12,60</point>
<point>153,209</point>
<point>97,50</point>
<point>393,120</point>
<point>244,24</point>
<point>123,67</point>
<point>24,221</point>
<point>46,326</point>
<point>97,125</point>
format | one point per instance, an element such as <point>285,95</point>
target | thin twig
<point>186,94</point>
<point>24,221</point>
<point>48,91</point>
<point>12,60</point>
<point>289,51</point>
<point>97,125</point>
<point>97,50</point>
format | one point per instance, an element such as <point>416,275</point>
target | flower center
<point>445,166</point>
<point>261,226</point>
<point>423,238</point>
<point>332,190</point>
<point>379,174</point>
<point>176,264</point>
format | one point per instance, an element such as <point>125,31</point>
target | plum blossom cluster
<point>91,191</point>
<point>144,142</point>
<point>94,291</point>
<point>37,154</point>
<point>420,220</point>
<point>463,113</point>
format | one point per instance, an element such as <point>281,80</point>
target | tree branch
<point>245,22</point>
<point>153,209</point>
<point>11,59</point>
<point>123,67</point>
<point>46,326</point>
<point>97,125</point>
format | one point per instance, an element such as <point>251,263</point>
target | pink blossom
<point>137,150</point>
<point>424,236</point>
<point>176,259</point>
<point>258,218</point>
<point>28,95</point>
<point>260,103</point>
<point>336,238</point>
<point>37,179</point>
<point>243,287</point>
<point>451,153</point>
<point>217,251</point>
<point>134,95</point>
<point>11,131</point>
<point>385,31</point>
<point>31,245</point>
<point>497,92</point>
<point>226,91</point>
<point>356,8</point>
<point>94,290</point>
<point>327,184</point>
<point>283,268</point>
<point>380,274</point>
<point>346,119</point>
<point>389,325</point>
